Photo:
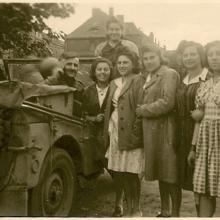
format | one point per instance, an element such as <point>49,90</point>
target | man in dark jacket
<point>66,75</point>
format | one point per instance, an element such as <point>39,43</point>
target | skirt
<point>206,178</point>
<point>122,160</point>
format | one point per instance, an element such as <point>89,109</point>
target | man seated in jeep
<point>66,74</point>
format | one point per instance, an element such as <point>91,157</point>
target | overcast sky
<point>170,22</point>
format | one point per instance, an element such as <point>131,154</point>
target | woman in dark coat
<point>124,151</point>
<point>94,103</point>
<point>193,60</point>
<point>157,88</point>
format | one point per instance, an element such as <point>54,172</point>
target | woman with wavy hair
<point>114,40</point>
<point>124,150</point>
<point>192,56</point>
<point>157,93</point>
<point>94,104</point>
<point>205,152</point>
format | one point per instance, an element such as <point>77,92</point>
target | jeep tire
<point>57,187</point>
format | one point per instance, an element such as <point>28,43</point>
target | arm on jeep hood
<point>12,94</point>
<point>30,90</point>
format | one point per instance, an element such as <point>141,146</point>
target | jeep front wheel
<point>56,190</point>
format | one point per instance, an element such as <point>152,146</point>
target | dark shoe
<point>118,212</point>
<point>137,214</point>
<point>160,215</point>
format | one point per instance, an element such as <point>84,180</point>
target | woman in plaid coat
<point>206,178</point>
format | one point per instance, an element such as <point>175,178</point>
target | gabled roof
<point>93,27</point>
<point>131,29</point>
<point>96,27</point>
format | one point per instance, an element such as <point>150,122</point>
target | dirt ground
<point>96,199</point>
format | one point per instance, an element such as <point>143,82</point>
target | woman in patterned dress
<point>193,60</point>
<point>124,154</point>
<point>206,179</point>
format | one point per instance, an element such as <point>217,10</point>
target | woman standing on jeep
<point>114,35</point>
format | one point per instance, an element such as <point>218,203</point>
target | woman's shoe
<point>137,214</point>
<point>160,215</point>
<point>118,212</point>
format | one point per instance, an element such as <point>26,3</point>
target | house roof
<point>93,27</point>
<point>96,27</point>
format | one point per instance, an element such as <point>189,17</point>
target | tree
<point>20,21</point>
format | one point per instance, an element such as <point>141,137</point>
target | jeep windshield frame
<point>7,62</point>
<point>44,110</point>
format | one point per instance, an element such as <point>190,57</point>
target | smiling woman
<point>94,103</point>
<point>114,34</point>
<point>193,60</point>
<point>123,153</point>
<point>206,176</point>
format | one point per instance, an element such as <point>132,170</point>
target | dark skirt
<point>185,128</point>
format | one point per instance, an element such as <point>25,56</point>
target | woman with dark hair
<point>193,60</point>
<point>108,48</point>
<point>157,90</point>
<point>94,103</point>
<point>206,177</point>
<point>124,152</point>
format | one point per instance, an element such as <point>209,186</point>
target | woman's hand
<point>99,118</point>
<point>191,158</point>
<point>94,119</point>
<point>138,111</point>
<point>197,114</point>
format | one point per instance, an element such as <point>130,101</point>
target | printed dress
<point>121,160</point>
<point>207,163</point>
<point>185,104</point>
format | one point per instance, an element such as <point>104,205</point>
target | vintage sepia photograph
<point>110,109</point>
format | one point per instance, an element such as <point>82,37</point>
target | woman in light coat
<point>157,90</point>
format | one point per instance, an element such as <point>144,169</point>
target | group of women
<point>150,122</point>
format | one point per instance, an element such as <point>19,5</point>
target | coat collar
<point>117,83</point>
<point>96,98</point>
<point>200,77</point>
<point>155,77</point>
<point>127,84</point>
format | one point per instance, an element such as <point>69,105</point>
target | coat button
<point>122,108</point>
<point>122,128</point>
<point>122,118</point>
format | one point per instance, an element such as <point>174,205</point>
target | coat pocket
<point>137,134</point>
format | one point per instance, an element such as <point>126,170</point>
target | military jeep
<point>44,151</point>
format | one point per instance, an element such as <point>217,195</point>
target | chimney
<point>120,18</point>
<point>111,11</point>
<point>95,12</point>
<point>151,36</point>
